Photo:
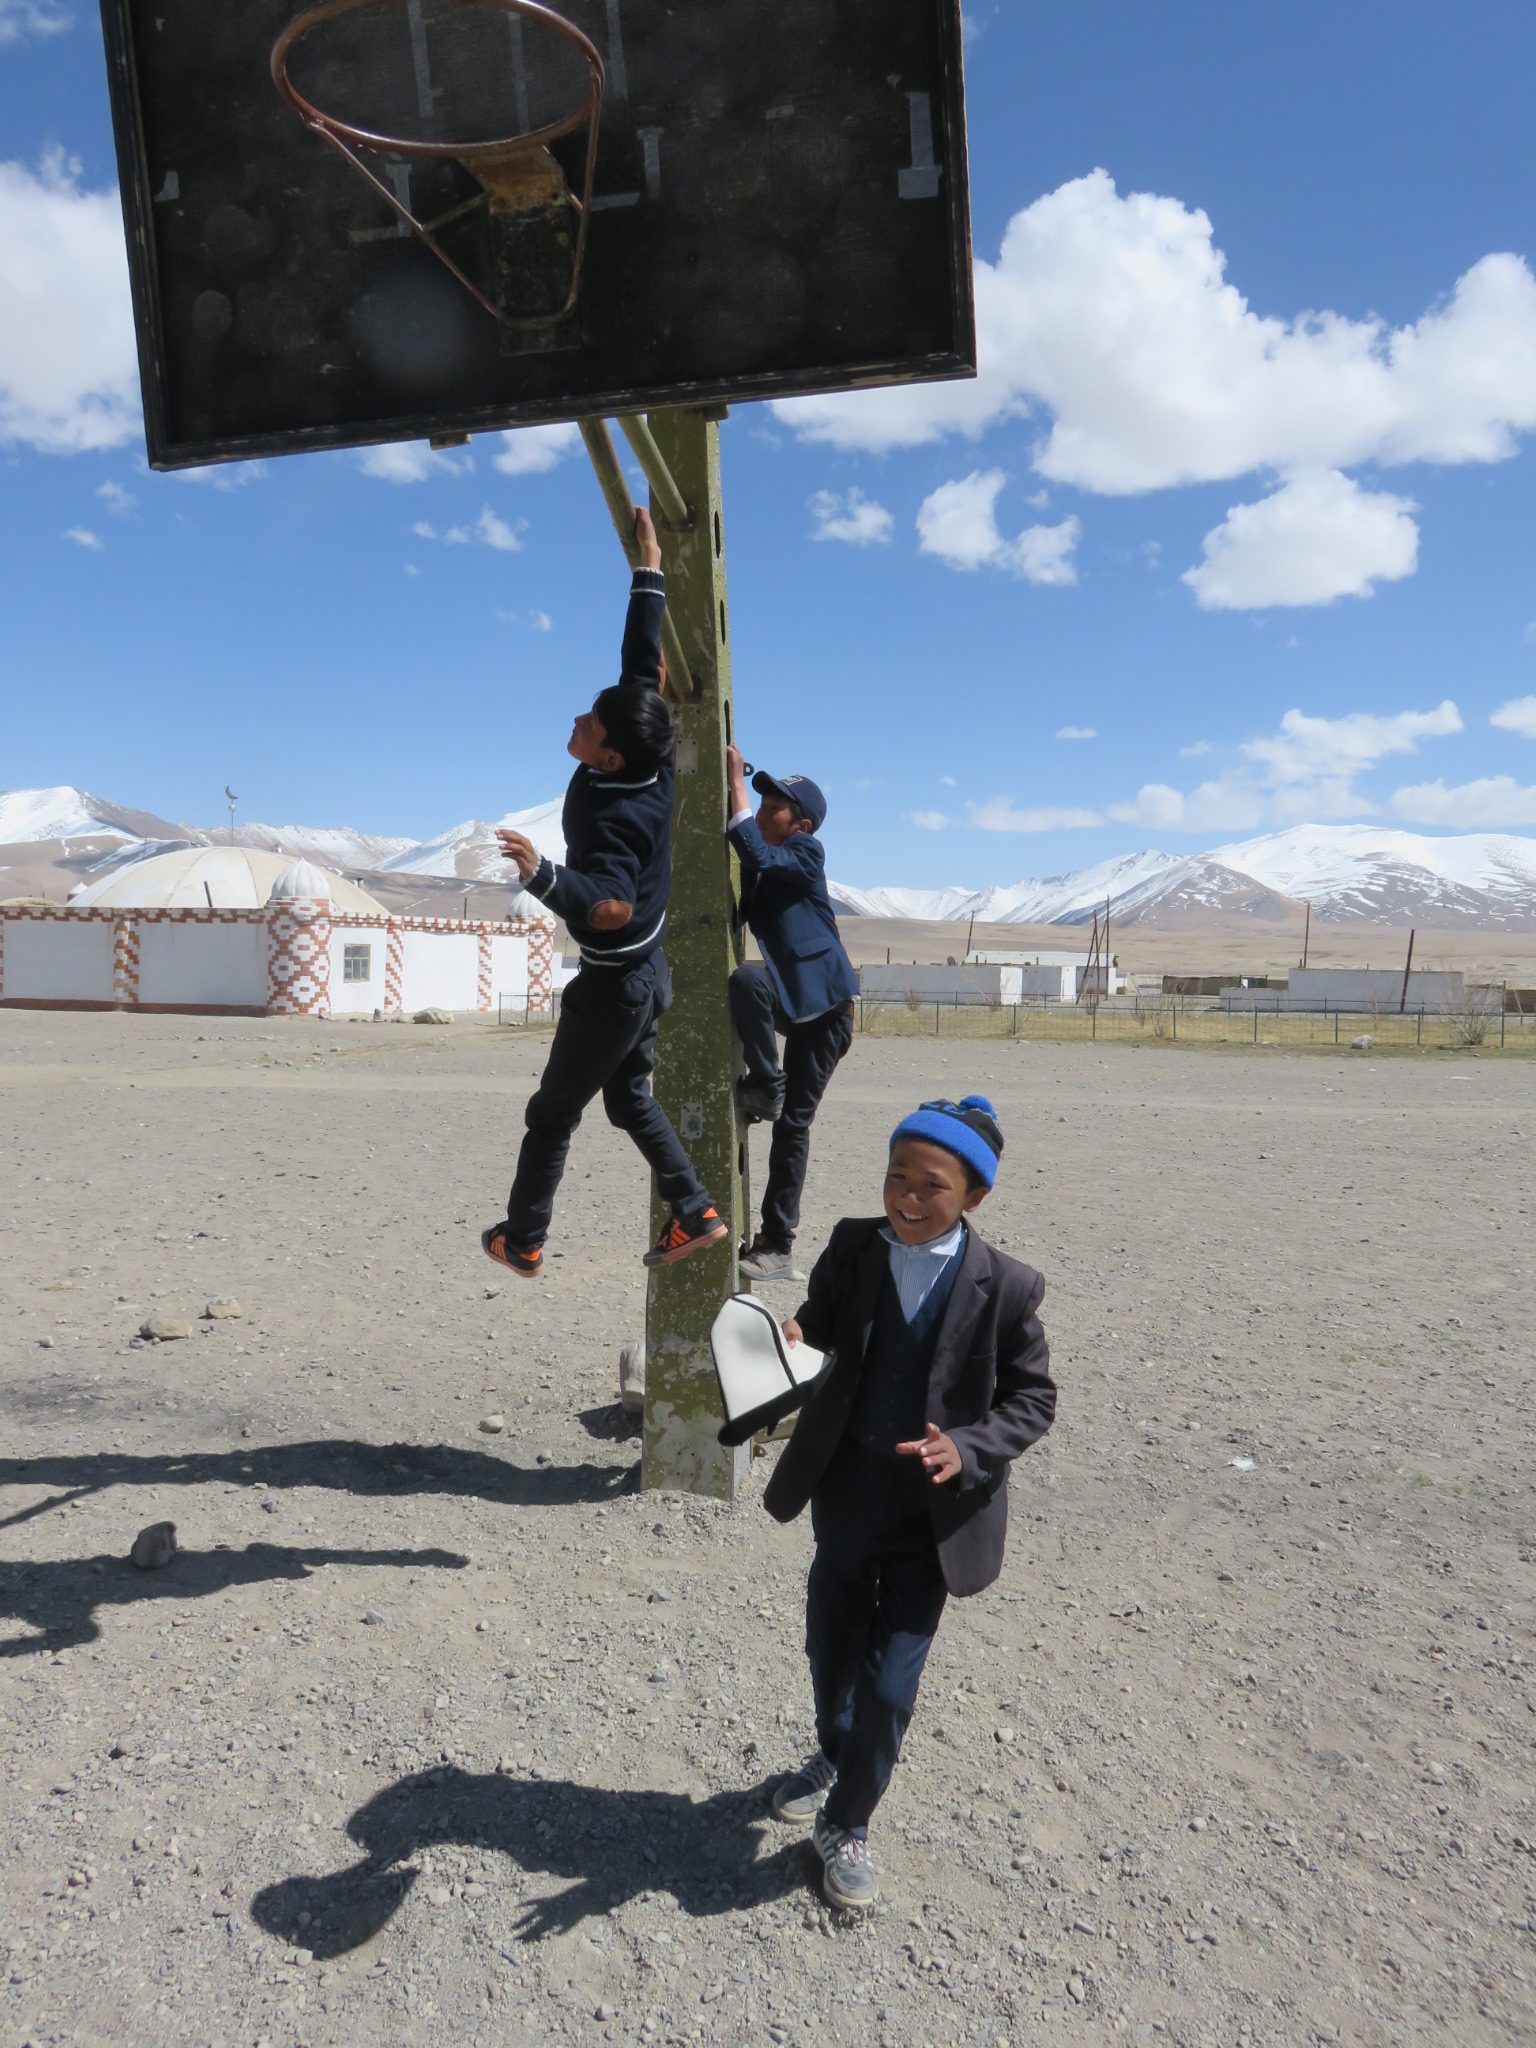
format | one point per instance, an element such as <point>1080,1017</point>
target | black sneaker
<point>759,1105</point>
<point>681,1240</point>
<point>527,1261</point>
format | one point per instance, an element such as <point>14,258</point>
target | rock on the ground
<point>164,1329</point>
<point>154,1546</point>
<point>433,1017</point>
<point>223,1307</point>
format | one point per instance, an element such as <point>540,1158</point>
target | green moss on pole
<point>696,1059</point>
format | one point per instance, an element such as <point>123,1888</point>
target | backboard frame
<point>169,448</point>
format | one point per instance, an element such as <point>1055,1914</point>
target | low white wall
<point>47,960</point>
<point>509,968</point>
<point>358,998</point>
<point>221,965</point>
<point>1056,983</point>
<point>440,971</point>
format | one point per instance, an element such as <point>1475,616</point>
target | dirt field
<point>434,1737</point>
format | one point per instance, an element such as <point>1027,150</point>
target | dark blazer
<point>618,828</point>
<point>784,899</point>
<point>990,1388</point>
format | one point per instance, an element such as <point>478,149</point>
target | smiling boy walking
<point>940,1378</point>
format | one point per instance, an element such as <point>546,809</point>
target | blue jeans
<point>872,1606</point>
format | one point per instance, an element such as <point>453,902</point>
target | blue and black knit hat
<point>967,1128</point>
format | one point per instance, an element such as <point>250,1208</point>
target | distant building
<point>1356,989</point>
<point>997,979</point>
<point>239,931</point>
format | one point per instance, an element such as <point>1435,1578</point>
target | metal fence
<point>515,1008</point>
<point>1184,1020</point>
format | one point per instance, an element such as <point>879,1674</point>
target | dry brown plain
<point>429,1737</point>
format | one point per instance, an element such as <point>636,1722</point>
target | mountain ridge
<point>1345,873</point>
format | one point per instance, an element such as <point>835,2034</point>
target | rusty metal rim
<point>396,145</point>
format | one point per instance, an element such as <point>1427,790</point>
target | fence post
<point>1093,1019</point>
<point>1418,1036</point>
<point>1255,1023</point>
<point>1335,1027</point>
<point>936,1009</point>
<point>1175,1018</point>
<point>1016,1021</point>
<point>1503,1025</point>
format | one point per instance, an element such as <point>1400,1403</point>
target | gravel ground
<point>430,1736</point>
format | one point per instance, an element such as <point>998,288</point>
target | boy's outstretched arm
<point>640,655</point>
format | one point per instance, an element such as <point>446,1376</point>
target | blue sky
<point>1245,491</point>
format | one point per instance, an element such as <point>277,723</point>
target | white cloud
<point>541,622</point>
<point>489,530</point>
<point>958,524</point>
<point>412,462</point>
<point>949,781</point>
<point>22,18</point>
<point>1228,805</point>
<point>852,518</point>
<point>116,499</point>
<point>1115,315</point>
<point>1518,716</point>
<point>1003,815</point>
<point>928,821</point>
<point>1310,750</point>
<point>1307,771</point>
<point>1317,538</point>
<point>82,537</point>
<point>222,476</point>
<point>1077,732</point>
<point>411,569</point>
<point>531,451</point>
<point>1194,750</point>
<point>1495,801</point>
<point>68,367</point>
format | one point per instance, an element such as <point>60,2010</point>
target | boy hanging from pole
<point>612,891</point>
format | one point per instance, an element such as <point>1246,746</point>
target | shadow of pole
<point>612,1845</point>
<point>346,1464</point>
<point>59,1598</point>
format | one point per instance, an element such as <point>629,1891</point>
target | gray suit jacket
<point>990,1388</point>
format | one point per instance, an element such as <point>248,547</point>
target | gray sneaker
<point>847,1874</point>
<point>798,1797</point>
<point>762,1263</point>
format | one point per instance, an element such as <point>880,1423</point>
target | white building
<point>240,931</point>
<point>1355,989</point>
<point>997,979</point>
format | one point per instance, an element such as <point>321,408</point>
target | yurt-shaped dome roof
<point>221,878</point>
<point>303,882</point>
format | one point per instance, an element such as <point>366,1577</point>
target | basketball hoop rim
<point>465,152</point>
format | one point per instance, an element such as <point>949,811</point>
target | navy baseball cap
<point>800,790</point>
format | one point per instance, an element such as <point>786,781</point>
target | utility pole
<point>696,1064</point>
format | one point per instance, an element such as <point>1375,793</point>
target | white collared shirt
<point>915,1267</point>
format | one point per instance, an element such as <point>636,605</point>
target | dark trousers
<point>872,1604</point>
<point>605,1040</point>
<point>812,1051</point>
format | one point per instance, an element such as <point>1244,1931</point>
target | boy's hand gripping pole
<point>678,682</point>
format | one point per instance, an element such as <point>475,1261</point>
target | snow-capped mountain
<point>469,851</point>
<point>28,816</point>
<point>332,846</point>
<point>1348,873</point>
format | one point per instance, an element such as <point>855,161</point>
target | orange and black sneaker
<point>527,1262</point>
<point>680,1240</point>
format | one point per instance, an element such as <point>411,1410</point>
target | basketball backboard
<point>340,231</point>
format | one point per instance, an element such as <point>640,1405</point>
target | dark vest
<point>891,1405</point>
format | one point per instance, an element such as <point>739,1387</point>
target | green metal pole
<point>697,1059</point>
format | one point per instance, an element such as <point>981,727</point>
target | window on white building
<point>356,963</point>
